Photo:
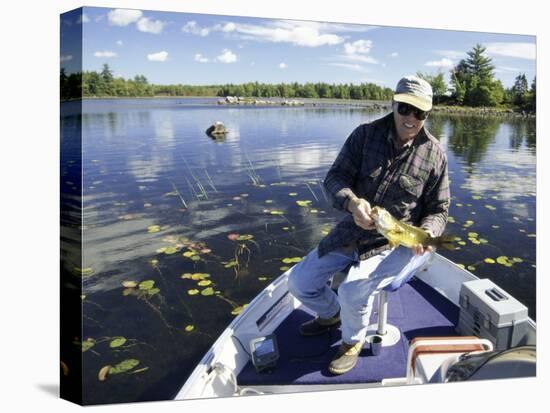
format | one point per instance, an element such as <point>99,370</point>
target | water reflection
<point>156,187</point>
<point>471,136</point>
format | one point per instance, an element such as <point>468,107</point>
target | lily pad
<point>87,344</point>
<point>304,203</point>
<point>124,366</point>
<point>189,254</point>
<point>291,260</point>
<point>489,260</point>
<point>284,268</point>
<point>83,272</point>
<point>230,264</point>
<point>153,228</point>
<point>293,194</point>
<point>195,258</point>
<point>471,268</point>
<point>472,234</point>
<point>517,259</point>
<point>189,328</point>
<point>490,207</point>
<point>276,212</point>
<point>204,283</point>
<point>194,291</point>
<point>245,237</point>
<point>153,291</point>
<point>170,250</point>
<point>146,285</point>
<point>207,291</point>
<point>476,197</point>
<point>117,342</point>
<point>238,310</point>
<point>502,260</point>
<point>129,284</point>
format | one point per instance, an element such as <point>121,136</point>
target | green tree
<point>437,82</point>
<point>533,95</point>
<point>473,80</point>
<point>520,90</point>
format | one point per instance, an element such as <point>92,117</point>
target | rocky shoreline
<point>374,105</point>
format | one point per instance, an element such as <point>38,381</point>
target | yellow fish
<point>399,233</point>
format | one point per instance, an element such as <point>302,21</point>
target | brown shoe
<point>346,358</point>
<point>319,325</point>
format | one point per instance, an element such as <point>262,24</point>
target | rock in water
<point>216,130</point>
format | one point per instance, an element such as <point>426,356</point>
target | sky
<point>201,49</point>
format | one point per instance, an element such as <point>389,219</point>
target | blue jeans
<point>308,282</point>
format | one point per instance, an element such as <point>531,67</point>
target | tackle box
<point>489,312</point>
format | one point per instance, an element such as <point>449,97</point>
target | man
<point>392,162</point>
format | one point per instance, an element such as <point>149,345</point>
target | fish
<point>400,233</point>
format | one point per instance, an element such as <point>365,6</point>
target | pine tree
<point>520,90</point>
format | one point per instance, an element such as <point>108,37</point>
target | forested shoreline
<point>472,84</point>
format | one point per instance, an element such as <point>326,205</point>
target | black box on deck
<point>489,312</point>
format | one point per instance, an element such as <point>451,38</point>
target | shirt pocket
<point>405,194</point>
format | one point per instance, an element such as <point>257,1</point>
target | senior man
<point>393,162</point>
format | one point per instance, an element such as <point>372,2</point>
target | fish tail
<point>444,241</point>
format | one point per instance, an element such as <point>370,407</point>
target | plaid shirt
<point>412,185</point>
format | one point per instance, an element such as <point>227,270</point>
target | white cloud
<point>359,51</point>
<point>105,53</point>
<point>229,27</point>
<point>227,56</point>
<point>350,66</point>
<point>283,65</point>
<point>158,57</point>
<point>83,19</point>
<point>443,63</point>
<point>307,34</point>
<point>193,28</point>
<point>451,54</point>
<point>514,49</point>
<point>65,58</point>
<point>119,42</point>
<point>123,17</point>
<point>149,26</point>
<point>200,58</point>
<point>297,33</point>
<point>359,46</point>
<point>504,69</point>
<point>394,54</point>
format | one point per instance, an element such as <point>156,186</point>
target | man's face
<point>407,126</point>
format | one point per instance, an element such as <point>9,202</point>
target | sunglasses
<point>404,109</point>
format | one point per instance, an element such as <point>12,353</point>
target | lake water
<point>207,223</point>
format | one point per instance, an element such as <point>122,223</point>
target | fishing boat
<point>442,325</point>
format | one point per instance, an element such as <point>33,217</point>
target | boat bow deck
<point>416,309</point>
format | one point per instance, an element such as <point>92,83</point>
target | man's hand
<point>360,210</point>
<point>419,249</point>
